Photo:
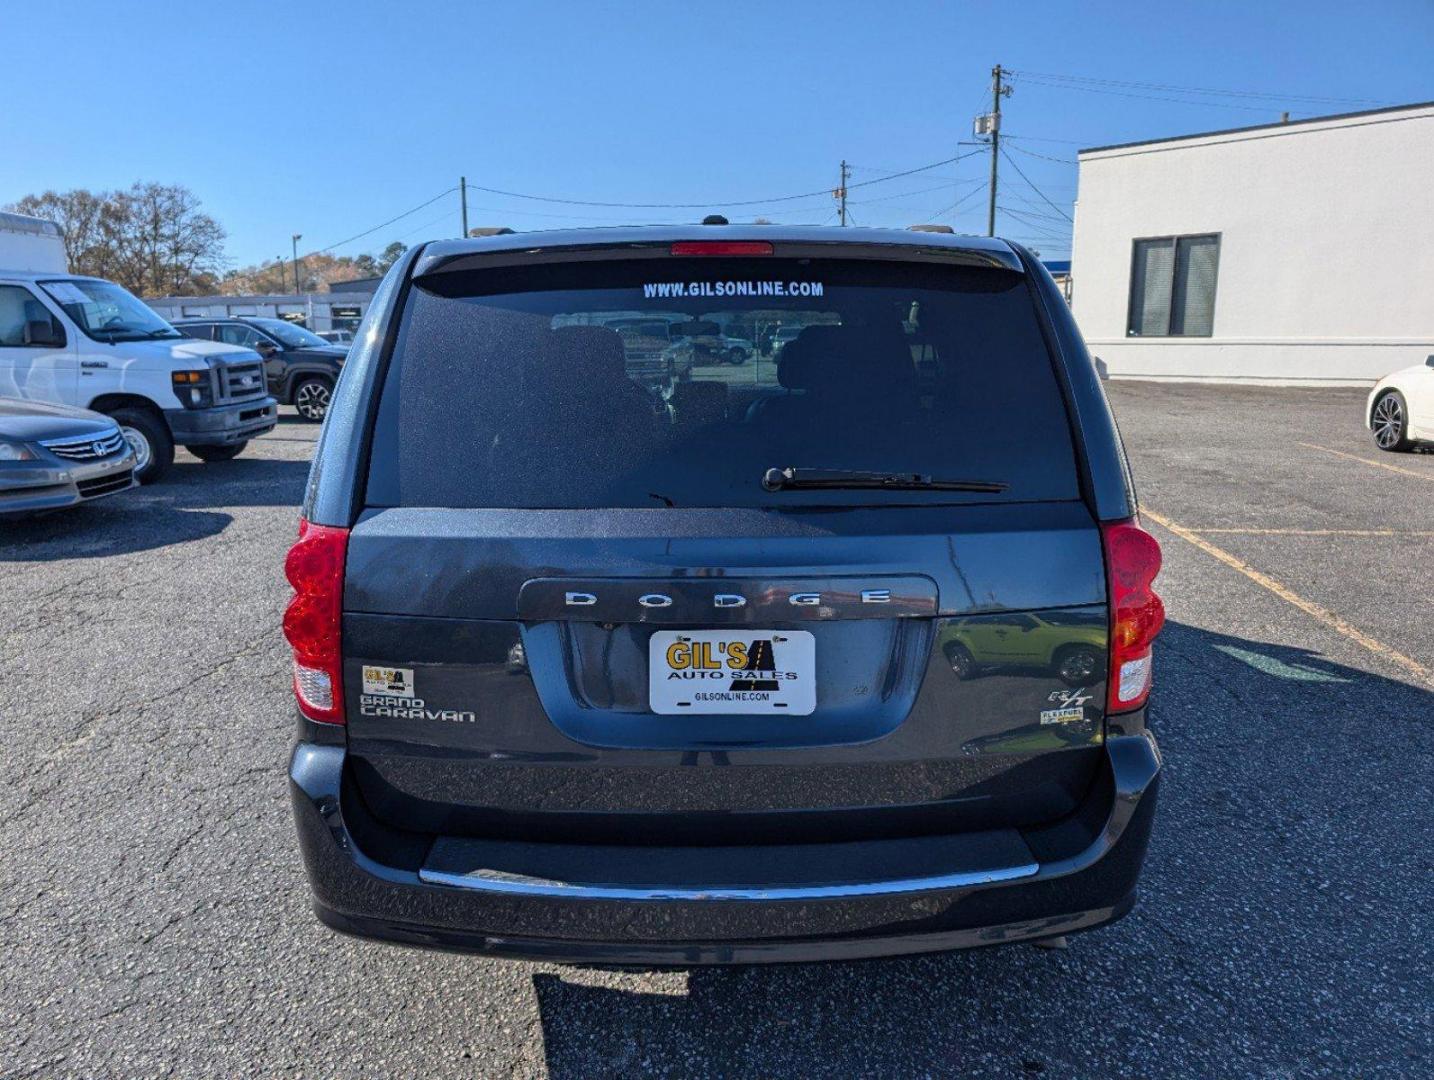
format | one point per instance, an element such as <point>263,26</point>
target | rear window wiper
<point>793,477</point>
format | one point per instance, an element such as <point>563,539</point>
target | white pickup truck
<point>85,341</point>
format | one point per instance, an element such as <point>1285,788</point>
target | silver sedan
<point>56,456</point>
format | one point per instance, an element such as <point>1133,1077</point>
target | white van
<point>86,341</point>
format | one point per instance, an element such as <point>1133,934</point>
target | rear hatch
<point>851,591</point>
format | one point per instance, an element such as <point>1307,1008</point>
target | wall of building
<point>317,311</point>
<point>1326,271</point>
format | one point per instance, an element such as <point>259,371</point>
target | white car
<point>1400,410</point>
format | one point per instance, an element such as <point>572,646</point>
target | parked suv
<point>301,367</point>
<point>595,670</point>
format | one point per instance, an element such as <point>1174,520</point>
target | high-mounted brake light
<point>315,568</point>
<point>721,247</point>
<point>1132,559</point>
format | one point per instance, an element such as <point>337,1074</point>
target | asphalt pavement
<point>154,917</point>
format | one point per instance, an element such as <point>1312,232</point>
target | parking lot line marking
<point>1371,461</point>
<point>1316,532</point>
<point>1309,607</point>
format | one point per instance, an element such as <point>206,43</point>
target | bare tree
<point>153,238</point>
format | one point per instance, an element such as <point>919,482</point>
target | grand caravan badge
<point>732,671</point>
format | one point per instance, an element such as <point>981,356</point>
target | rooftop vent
<point>715,219</point>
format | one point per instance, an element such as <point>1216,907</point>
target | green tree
<point>390,255</point>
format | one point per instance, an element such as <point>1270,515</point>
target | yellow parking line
<point>1316,532</point>
<point>1323,615</point>
<point>1371,461</point>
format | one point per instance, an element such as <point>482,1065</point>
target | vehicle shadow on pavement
<point>1272,902</point>
<point>93,532</point>
<point>187,504</point>
<point>241,482</point>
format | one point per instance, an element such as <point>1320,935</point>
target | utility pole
<point>997,93</point>
<point>840,192</point>
<point>296,238</point>
<point>463,199</point>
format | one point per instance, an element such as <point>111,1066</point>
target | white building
<point>1300,252</point>
<point>317,311</point>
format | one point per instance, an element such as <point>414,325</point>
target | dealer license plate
<point>732,671</point>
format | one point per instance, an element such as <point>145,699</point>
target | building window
<point>1172,286</point>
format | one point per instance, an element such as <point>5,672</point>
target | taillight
<point>721,247</point>
<point>315,568</point>
<point>1132,559</point>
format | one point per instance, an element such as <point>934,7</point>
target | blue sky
<point>330,118</point>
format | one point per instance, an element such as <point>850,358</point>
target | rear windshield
<point>619,384</point>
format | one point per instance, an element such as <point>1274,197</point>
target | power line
<point>824,192</point>
<point>429,224</point>
<point>958,203</point>
<point>1090,80</point>
<point>1033,209</point>
<point>560,217</point>
<point>1032,223</point>
<point>909,172</point>
<point>1037,138</point>
<point>386,224</point>
<point>922,191</point>
<point>1047,157</point>
<point>1149,97</point>
<point>1037,190</point>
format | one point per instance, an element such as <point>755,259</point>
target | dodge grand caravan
<point>604,669</point>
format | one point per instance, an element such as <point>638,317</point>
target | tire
<point>311,397</point>
<point>1389,421</point>
<point>961,660</point>
<point>1078,665</point>
<point>148,435</point>
<point>736,357</point>
<point>218,453</point>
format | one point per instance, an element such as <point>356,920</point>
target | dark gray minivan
<point>840,653</point>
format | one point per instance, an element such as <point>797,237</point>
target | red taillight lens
<point>315,568</point>
<point>721,247</point>
<point>1132,559</point>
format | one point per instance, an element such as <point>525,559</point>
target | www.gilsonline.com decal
<point>679,289</point>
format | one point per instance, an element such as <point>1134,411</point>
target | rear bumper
<point>1075,875</point>
<point>223,424</point>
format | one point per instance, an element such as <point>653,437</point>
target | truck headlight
<point>11,451</point>
<point>194,389</point>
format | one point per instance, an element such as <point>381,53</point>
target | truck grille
<point>87,448</point>
<point>239,382</point>
<point>104,485</point>
<point>647,365</point>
